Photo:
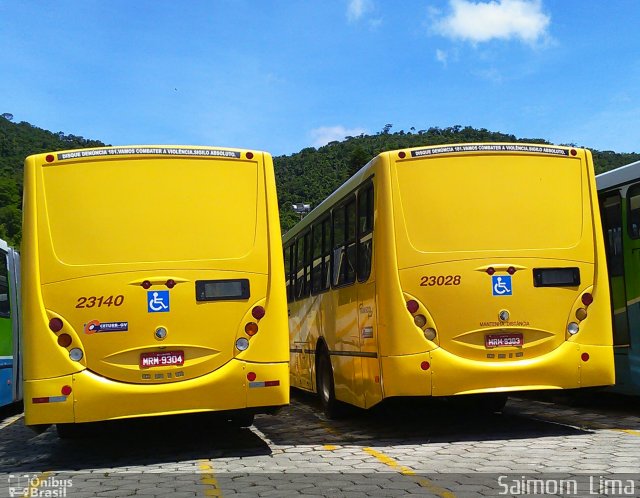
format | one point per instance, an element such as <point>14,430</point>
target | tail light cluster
<point>581,313</point>
<point>250,328</point>
<point>65,340</point>
<point>420,320</point>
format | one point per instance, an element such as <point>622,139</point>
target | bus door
<point>632,280</point>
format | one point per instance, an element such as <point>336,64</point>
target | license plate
<point>162,359</point>
<point>498,340</point>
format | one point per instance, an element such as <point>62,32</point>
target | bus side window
<point>633,196</point>
<point>316,258</point>
<point>326,254</point>
<point>307,263</point>
<point>4,287</point>
<point>365,231</point>
<point>299,274</point>
<point>350,245</point>
<point>288,261</point>
<point>337,256</point>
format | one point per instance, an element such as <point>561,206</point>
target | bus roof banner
<point>146,151</point>
<point>510,148</point>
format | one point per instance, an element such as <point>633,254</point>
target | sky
<point>282,75</point>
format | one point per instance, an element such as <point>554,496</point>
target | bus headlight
<point>573,328</point>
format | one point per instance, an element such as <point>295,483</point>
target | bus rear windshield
<point>491,202</point>
<point>145,210</point>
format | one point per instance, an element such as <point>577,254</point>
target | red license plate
<point>162,359</point>
<point>499,340</point>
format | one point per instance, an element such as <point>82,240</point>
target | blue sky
<point>284,75</point>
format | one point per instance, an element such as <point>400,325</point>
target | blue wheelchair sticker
<point>157,301</point>
<point>501,285</point>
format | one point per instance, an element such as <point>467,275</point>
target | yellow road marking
<point>208,478</point>
<point>330,447</point>
<point>422,482</point>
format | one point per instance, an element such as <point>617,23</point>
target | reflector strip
<point>49,399</point>
<point>268,383</point>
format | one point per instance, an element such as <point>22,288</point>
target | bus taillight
<point>171,283</point>
<point>55,324</point>
<point>76,354</point>
<point>587,298</point>
<point>146,284</point>
<point>64,340</point>
<point>251,328</point>
<point>258,312</point>
<point>65,391</point>
<point>412,306</point>
<point>491,270</point>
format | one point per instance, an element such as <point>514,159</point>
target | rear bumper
<point>449,375</point>
<point>96,398</point>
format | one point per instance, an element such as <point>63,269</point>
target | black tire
<point>331,407</point>
<point>491,403</point>
<point>242,420</point>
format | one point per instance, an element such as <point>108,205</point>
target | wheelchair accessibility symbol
<point>502,285</point>
<point>158,301</point>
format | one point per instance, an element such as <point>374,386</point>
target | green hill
<point>306,176</point>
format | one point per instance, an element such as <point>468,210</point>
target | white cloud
<point>480,21</point>
<point>357,8</point>
<point>325,134</point>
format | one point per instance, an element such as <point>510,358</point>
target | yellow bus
<point>152,285</point>
<point>471,269</point>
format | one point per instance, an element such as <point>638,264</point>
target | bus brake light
<point>587,298</point>
<point>55,324</point>
<point>258,312</point>
<point>412,305</point>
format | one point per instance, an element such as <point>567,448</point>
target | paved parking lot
<point>404,449</point>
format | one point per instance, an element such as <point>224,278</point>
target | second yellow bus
<point>452,270</point>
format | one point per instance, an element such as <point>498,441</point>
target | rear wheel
<point>331,407</point>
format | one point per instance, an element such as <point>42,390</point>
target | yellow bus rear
<point>487,275</point>
<point>152,285</point>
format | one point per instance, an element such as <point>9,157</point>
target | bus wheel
<point>326,391</point>
<point>242,420</point>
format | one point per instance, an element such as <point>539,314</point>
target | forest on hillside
<point>307,176</point>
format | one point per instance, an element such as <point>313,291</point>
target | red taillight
<point>55,324</point>
<point>50,158</point>
<point>587,299</point>
<point>171,283</point>
<point>491,270</point>
<point>258,312</point>
<point>585,356</point>
<point>249,155</point>
<point>402,154</point>
<point>251,376</point>
<point>64,340</point>
<point>146,284</point>
<point>66,390</point>
<point>511,270</point>
<point>40,400</point>
<point>272,383</point>
<point>251,328</point>
<point>574,152</point>
<point>412,306</point>
<point>425,365</point>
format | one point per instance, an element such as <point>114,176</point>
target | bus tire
<point>326,389</point>
<point>491,403</point>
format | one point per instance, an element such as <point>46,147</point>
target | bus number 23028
<point>440,280</point>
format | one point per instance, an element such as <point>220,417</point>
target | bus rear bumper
<point>94,398</point>
<point>448,374</point>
